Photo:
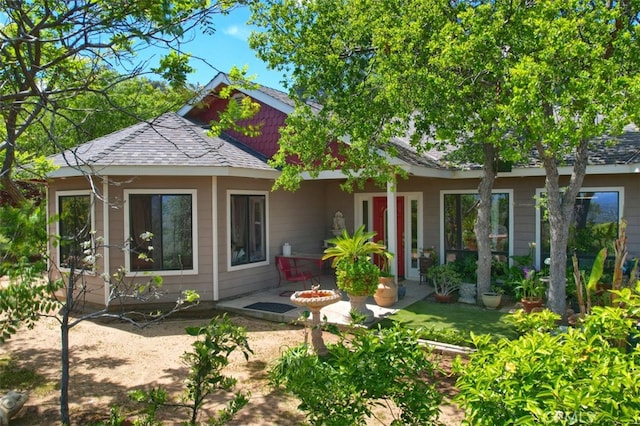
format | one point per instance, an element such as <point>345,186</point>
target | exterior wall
<point>94,282</point>
<point>303,219</point>
<point>294,217</point>
<point>173,284</point>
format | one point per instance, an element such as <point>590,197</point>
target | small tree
<point>29,297</point>
<point>210,355</point>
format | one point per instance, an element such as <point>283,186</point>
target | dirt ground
<point>110,359</point>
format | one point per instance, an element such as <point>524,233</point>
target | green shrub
<point>583,376</point>
<point>389,365</point>
<point>544,320</point>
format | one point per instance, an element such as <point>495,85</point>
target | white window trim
<point>540,191</point>
<point>92,212</point>
<point>474,191</point>
<point>265,262</point>
<point>194,235</point>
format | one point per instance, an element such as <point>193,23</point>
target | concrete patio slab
<point>335,313</point>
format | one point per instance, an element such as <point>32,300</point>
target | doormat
<point>279,308</point>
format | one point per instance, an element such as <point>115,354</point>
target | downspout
<point>106,240</point>
<point>214,237</point>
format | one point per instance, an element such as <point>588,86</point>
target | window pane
<point>248,229</point>
<point>594,226</point>
<point>460,215</point>
<point>168,218</point>
<point>75,227</point>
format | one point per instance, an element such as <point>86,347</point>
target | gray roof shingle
<point>169,140</point>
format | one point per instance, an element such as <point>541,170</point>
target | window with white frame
<point>460,212</point>
<point>597,214</point>
<point>75,223</point>
<point>248,228</point>
<point>161,230</point>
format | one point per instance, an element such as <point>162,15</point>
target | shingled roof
<point>168,140</point>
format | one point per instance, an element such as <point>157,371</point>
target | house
<point>217,225</point>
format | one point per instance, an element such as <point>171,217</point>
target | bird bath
<point>315,300</point>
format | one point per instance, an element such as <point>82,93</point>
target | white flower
<point>547,261</point>
<point>146,236</point>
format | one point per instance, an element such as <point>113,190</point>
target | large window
<point>169,219</point>
<point>248,228</point>
<point>597,213</point>
<point>74,227</point>
<point>460,215</point>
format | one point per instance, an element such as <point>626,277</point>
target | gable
<point>268,118</point>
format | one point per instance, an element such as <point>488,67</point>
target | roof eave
<point>163,170</point>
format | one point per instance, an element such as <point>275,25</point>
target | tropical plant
<point>445,279</point>
<point>530,287</point>
<point>352,258</point>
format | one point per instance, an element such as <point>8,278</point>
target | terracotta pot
<point>443,298</point>
<point>387,293</point>
<point>531,304</point>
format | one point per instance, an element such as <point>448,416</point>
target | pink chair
<point>288,271</point>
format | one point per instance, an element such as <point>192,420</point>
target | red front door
<point>380,227</point>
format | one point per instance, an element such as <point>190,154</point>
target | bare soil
<point>109,359</point>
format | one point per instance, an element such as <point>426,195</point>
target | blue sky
<point>228,46</point>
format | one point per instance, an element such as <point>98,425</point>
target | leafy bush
<point>583,376</point>
<point>544,320</point>
<point>389,365</point>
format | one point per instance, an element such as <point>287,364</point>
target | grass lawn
<point>452,322</point>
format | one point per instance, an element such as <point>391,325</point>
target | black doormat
<point>279,308</point>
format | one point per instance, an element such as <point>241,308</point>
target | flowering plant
<point>530,287</point>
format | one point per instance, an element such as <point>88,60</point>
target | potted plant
<point>493,298</point>
<point>356,274</point>
<point>445,281</point>
<point>387,292</point>
<point>531,290</point>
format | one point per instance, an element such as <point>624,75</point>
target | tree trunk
<point>64,352</point>
<point>483,223</point>
<point>9,148</point>
<point>560,206</point>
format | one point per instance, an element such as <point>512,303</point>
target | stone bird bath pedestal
<point>315,300</point>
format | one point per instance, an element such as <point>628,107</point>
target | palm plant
<point>352,258</point>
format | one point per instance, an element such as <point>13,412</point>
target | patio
<point>334,312</point>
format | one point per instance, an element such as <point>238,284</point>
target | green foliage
<point>351,254</point>
<point>445,279</point>
<point>358,374</point>
<point>64,59</point>
<point>23,236</point>
<point>530,286</point>
<point>543,321</point>
<point>210,355</point>
<point>25,299</point>
<point>466,266</point>
<point>583,376</point>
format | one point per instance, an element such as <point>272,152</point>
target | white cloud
<point>236,31</point>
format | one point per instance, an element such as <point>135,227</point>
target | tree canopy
<point>54,51</point>
<point>491,78</point>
